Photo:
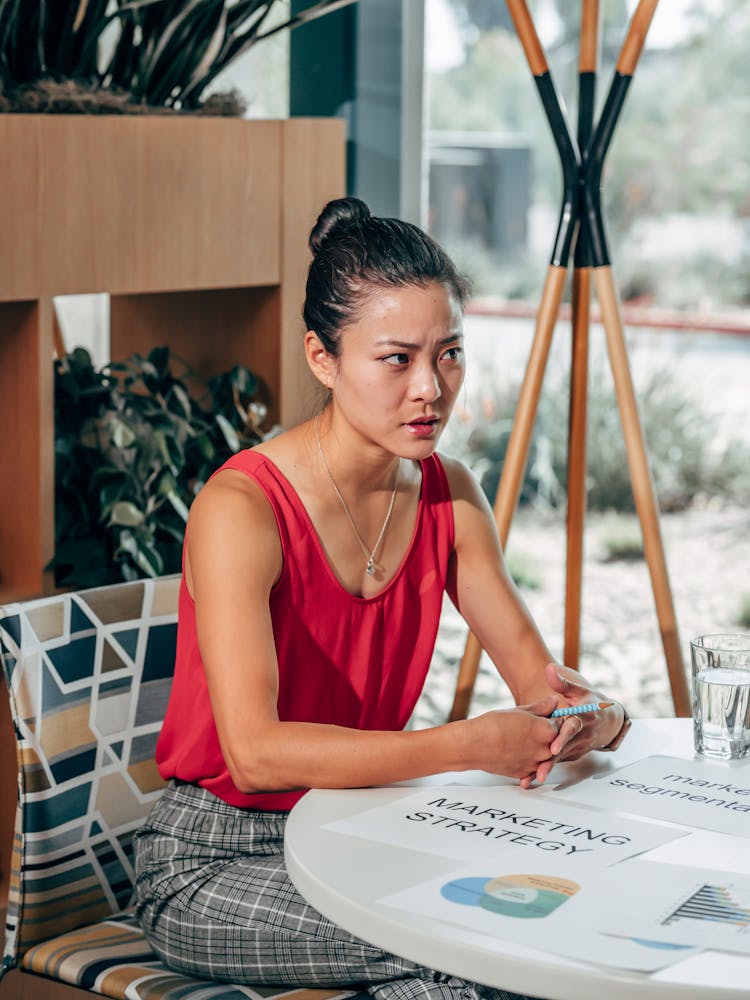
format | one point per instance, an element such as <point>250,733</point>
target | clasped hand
<point>578,733</point>
<point>538,742</point>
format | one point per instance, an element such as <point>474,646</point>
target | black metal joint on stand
<point>595,164</point>
<point>586,108</point>
<point>570,163</point>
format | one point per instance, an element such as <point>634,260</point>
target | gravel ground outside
<point>708,559</point>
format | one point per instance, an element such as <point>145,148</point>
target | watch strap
<point>622,732</point>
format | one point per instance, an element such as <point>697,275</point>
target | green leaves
<point>132,449</point>
<point>230,435</point>
<point>165,52</point>
<point>126,513</point>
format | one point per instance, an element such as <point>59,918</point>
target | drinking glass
<point>721,695</point>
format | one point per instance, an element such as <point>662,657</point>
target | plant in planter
<point>132,449</point>
<point>126,56</point>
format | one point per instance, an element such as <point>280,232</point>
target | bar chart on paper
<point>675,905</point>
<point>716,904</point>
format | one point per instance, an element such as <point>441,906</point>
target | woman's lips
<point>422,428</point>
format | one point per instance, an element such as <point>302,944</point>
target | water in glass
<point>722,716</point>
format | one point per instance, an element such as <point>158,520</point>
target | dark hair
<point>354,251</point>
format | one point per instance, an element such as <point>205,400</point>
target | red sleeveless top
<point>345,660</point>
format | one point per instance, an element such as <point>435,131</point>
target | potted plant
<point>133,445</point>
<point>61,57</point>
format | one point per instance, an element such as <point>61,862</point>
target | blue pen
<point>592,706</point>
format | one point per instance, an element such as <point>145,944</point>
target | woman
<point>314,571</point>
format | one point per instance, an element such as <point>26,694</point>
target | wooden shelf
<point>197,227</point>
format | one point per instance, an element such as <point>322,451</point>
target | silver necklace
<point>371,554</point>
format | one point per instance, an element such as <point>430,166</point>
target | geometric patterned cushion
<point>113,958</point>
<point>89,675</point>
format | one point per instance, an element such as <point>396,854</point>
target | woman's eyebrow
<point>414,347</point>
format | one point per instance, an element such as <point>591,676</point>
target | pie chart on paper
<point>527,897</point>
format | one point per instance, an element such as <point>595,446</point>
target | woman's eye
<point>397,359</point>
<point>453,354</point>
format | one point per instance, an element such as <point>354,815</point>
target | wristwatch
<point>622,733</point>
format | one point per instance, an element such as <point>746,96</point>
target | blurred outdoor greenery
<point>688,459</point>
<point>524,569</point>
<point>620,537</point>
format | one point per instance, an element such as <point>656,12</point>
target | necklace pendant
<point>370,553</point>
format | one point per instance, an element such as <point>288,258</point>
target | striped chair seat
<point>89,675</point>
<point>113,958</point>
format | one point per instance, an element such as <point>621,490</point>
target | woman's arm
<point>233,558</point>
<point>494,610</point>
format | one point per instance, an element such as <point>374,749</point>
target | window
<point>678,218</point>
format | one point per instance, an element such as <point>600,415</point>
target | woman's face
<point>400,367</point>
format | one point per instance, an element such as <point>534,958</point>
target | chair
<point>89,675</point>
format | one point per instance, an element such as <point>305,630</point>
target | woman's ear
<point>322,364</point>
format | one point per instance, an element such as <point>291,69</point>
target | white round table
<point>344,877</point>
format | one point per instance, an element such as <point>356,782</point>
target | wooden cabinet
<point>197,227</point>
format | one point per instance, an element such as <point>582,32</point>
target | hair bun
<point>338,215</point>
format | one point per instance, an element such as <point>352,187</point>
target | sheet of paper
<point>487,823</point>
<point>679,905</point>
<point>696,793</point>
<point>552,904</point>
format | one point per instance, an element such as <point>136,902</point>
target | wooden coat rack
<point>581,236</point>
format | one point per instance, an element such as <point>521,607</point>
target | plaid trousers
<point>215,901</point>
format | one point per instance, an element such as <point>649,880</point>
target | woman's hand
<point>514,742</point>
<point>579,733</point>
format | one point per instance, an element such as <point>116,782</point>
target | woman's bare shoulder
<point>232,534</point>
<point>231,493</point>
<point>461,481</point>
<point>234,492</point>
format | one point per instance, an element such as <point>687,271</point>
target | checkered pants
<point>215,901</point>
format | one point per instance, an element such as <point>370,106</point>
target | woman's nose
<point>425,384</point>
